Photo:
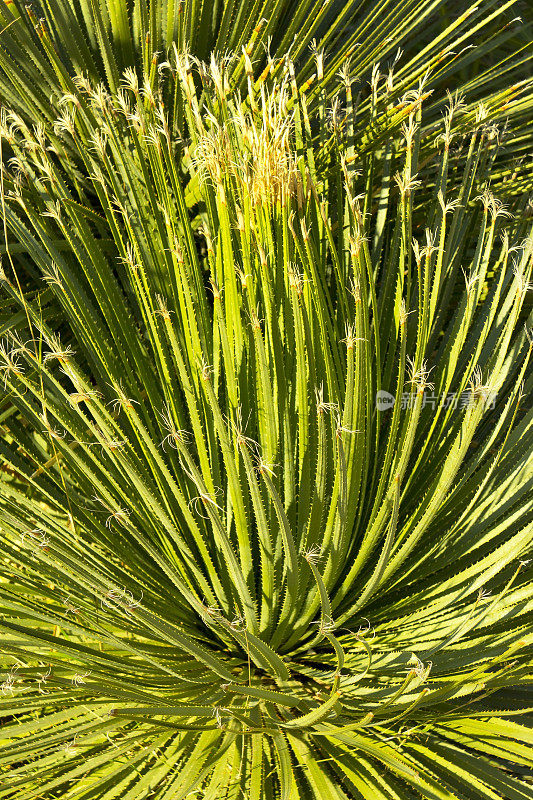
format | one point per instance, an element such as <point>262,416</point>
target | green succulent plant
<point>265,506</point>
<point>484,49</point>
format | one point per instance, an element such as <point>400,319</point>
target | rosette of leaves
<point>265,504</point>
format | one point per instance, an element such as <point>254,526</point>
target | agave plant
<point>480,48</point>
<point>266,497</point>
